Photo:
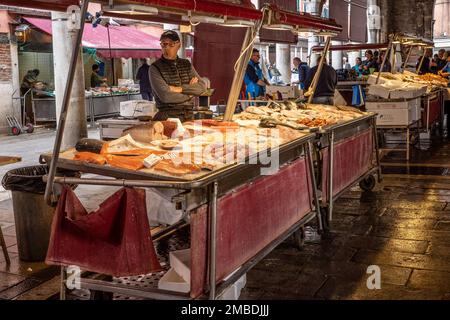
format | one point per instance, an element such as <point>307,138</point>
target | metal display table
<point>433,108</point>
<point>348,155</point>
<point>236,219</point>
<point>96,106</point>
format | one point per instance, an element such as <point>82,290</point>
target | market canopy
<point>200,7</point>
<point>126,42</point>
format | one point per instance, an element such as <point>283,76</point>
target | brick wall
<point>5,59</point>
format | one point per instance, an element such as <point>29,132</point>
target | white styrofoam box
<point>395,113</point>
<point>180,261</point>
<point>125,82</point>
<point>286,91</point>
<point>408,92</point>
<point>136,108</point>
<point>172,281</point>
<point>379,91</point>
<point>234,291</point>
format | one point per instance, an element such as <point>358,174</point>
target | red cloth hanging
<point>114,240</point>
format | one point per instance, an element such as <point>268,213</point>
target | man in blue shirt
<point>254,80</point>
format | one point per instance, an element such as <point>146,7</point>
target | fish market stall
<point>346,144</point>
<point>238,211</point>
<point>231,193</point>
<point>352,85</point>
<point>406,103</point>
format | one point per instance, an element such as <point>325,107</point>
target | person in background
<point>144,81</point>
<point>254,80</point>
<point>346,65</point>
<point>326,85</point>
<point>433,64</point>
<point>369,63</point>
<point>445,72</point>
<point>358,67</point>
<point>441,60</point>
<point>426,64</point>
<point>174,81</point>
<point>300,68</point>
<point>376,57</point>
<point>387,65</point>
<point>96,79</point>
<point>28,82</point>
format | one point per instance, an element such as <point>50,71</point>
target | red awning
<point>126,42</point>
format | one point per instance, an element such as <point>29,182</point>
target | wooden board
<point>4,160</point>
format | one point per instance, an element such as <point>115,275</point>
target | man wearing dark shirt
<point>324,93</point>
<point>369,63</point>
<point>426,64</point>
<point>144,81</point>
<point>174,81</point>
<point>441,61</point>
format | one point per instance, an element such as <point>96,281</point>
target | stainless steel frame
<point>336,133</point>
<point>205,190</point>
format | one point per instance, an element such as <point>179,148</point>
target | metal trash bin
<point>32,216</point>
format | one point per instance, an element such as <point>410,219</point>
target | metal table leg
<point>377,150</point>
<point>62,289</point>
<point>314,185</point>
<point>5,250</point>
<point>330,176</point>
<point>407,143</point>
<point>213,241</point>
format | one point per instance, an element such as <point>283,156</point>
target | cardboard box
<point>395,113</point>
<point>136,108</point>
<point>287,92</point>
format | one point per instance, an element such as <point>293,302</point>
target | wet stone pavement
<point>402,226</point>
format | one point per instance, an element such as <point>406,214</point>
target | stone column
<point>283,58</point>
<point>373,21</point>
<point>313,7</point>
<point>63,44</point>
<point>336,56</point>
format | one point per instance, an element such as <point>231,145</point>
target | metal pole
<point>391,44</point>
<point>319,69</point>
<point>428,111</point>
<point>65,106</point>
<point>330,176</point>
<point>407,58</point>
<point>62,292</point>
<point>213,242</point>
<point>238,76</point>
<point>377,150</point>
<point>421,60</point>
<point>314,183</point>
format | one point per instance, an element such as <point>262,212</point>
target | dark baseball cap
<point>170,34</point>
